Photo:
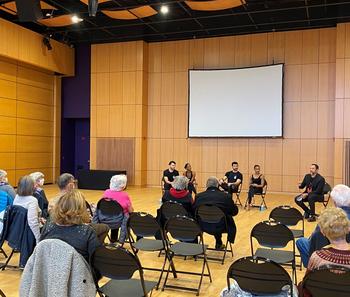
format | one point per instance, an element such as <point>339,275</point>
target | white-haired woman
<point>39,193</point>
<point>5,186</point>
<point>116,192</point>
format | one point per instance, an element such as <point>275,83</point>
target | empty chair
<point>185,231</point>
<point>257,276</point>
<point>119,265</point>
<point>273,236</point>
<point>212,220</point>
<point>170,209</point>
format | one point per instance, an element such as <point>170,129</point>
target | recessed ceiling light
<point>76,19</point>
<point>164,9</point>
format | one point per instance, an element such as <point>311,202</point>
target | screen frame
<point>234,68</point>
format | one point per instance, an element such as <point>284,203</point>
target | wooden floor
<point>147,199</point>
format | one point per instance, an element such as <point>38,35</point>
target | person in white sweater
<point>25,198</point>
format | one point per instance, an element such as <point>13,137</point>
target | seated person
<point>24,198</point>
<point>39,193</point>
<point>214,196</point>
<point>117,193</point>
<point>232,179</point>
<point>313,184</point>
<point>334,224</point>
<point>70,224</point>
<point>169,174</point>
<point>5,186</point>
<point>191,175</point>
<point>179,193</point>
<point>256,185</point>
<point>306,246</point>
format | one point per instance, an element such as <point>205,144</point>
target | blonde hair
<point>70,209</point>
<point>37,176</point>
<point>334,223</point>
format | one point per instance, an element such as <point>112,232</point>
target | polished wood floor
<point>147,200</point>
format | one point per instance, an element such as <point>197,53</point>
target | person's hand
<point>304,195</point>
<point>42,221</point>
<point>254,185</point>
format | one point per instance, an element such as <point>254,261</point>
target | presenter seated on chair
<point>232,179</point>
<point>169,174</point>
<point>256,185</point>
<point>313,184</point>
<point>191,175</point>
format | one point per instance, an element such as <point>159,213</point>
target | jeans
<point>303,245</point>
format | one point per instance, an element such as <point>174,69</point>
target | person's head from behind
<point>70,209</point>
<point>66,182</point>
<point>3,176</point>
<point>234,166</point>
<point>188,167</point>
<point>180,183</point>
<point>334,224</point>
<point>25,186</point>
<point>118,182</point>
<point>314,169</point>
<point>257,169</point>
<point>212,182</point>
<point>172,165</point>
<point>38,178</point>
<point>341,196</point>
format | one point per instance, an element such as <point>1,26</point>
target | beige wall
<point>311,78</point>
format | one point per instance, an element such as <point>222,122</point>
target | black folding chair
<point>262,194</point>
<point>328,281</point>
<point>171,209</point>
<point>259,276</point>
<point>213,220</point>
<point>186,231</point>
<point>144,226</point>
<point>238,193</point>
<point>327,189</point>
<point>274,236</point>
<point>119,265</point>
<point>88,208</point>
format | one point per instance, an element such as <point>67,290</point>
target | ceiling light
<point>76,19</point>
<point>164,9</point>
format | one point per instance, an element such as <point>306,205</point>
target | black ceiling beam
<point>205,17</point>
<point>248,13</point>
<point>307,10</point>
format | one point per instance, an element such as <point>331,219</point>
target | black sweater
<point>316,183</point>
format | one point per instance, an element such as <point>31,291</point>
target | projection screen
<point>245,102</point>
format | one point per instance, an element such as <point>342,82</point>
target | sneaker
<point>312,219</point>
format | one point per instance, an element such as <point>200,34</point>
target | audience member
<point>116,192</point>
<point>232,179</point>
<point>256,185</point>
<point>169,175</point>
<point>65,183</point>
<point>191,175</point>
<point>70,224</point>
<point>5,186</point>
<point>313,183</point>
<point>39,193</point>
<point>24,198</point>
<point>214,196</point>
<point>306,246</point>
<point>179,193</point>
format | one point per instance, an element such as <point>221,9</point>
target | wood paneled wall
<point>29,120</point>
<point>311,70</point>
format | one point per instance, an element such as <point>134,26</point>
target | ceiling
<point>125,20</point>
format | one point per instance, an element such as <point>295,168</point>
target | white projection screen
<point>245,102</point>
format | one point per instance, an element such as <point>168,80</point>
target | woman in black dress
<point>256,185</point>
<point>191,175</point>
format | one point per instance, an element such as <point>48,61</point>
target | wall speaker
<point>29,10</point>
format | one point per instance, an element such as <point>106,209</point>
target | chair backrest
<point>258,276</point>
<point>327,189</point>
<point>109,207</point>
<point>183,228</point>
<point>328,281</point>
<point>171,209</point>
<point>211,214</point>
<point>272,234</point>
<point>88,208</point>
<point>286,215</point>
<point>143,224</point>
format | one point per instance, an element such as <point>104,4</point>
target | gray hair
<point>37,176</point>
<point>118,182</point>
<point>3,173</point>
<point>64,180</point>
<point>25,186</point>
<point>212,182</point>
<point>180,182</point>
<point>341,195</point>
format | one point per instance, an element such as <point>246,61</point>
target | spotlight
<point>164,9</point>
<point>92,7</point>
<point>76,19</point>
<point>46,42</point>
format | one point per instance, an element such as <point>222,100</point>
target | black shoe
<point>306,215</point>
<point>219,247</point>
<point>311,219</point>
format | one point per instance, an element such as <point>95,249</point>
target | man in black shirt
<point>169,174</point>
<point>313,184</point>
<point>213,196</point>
<point>232,179</point>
